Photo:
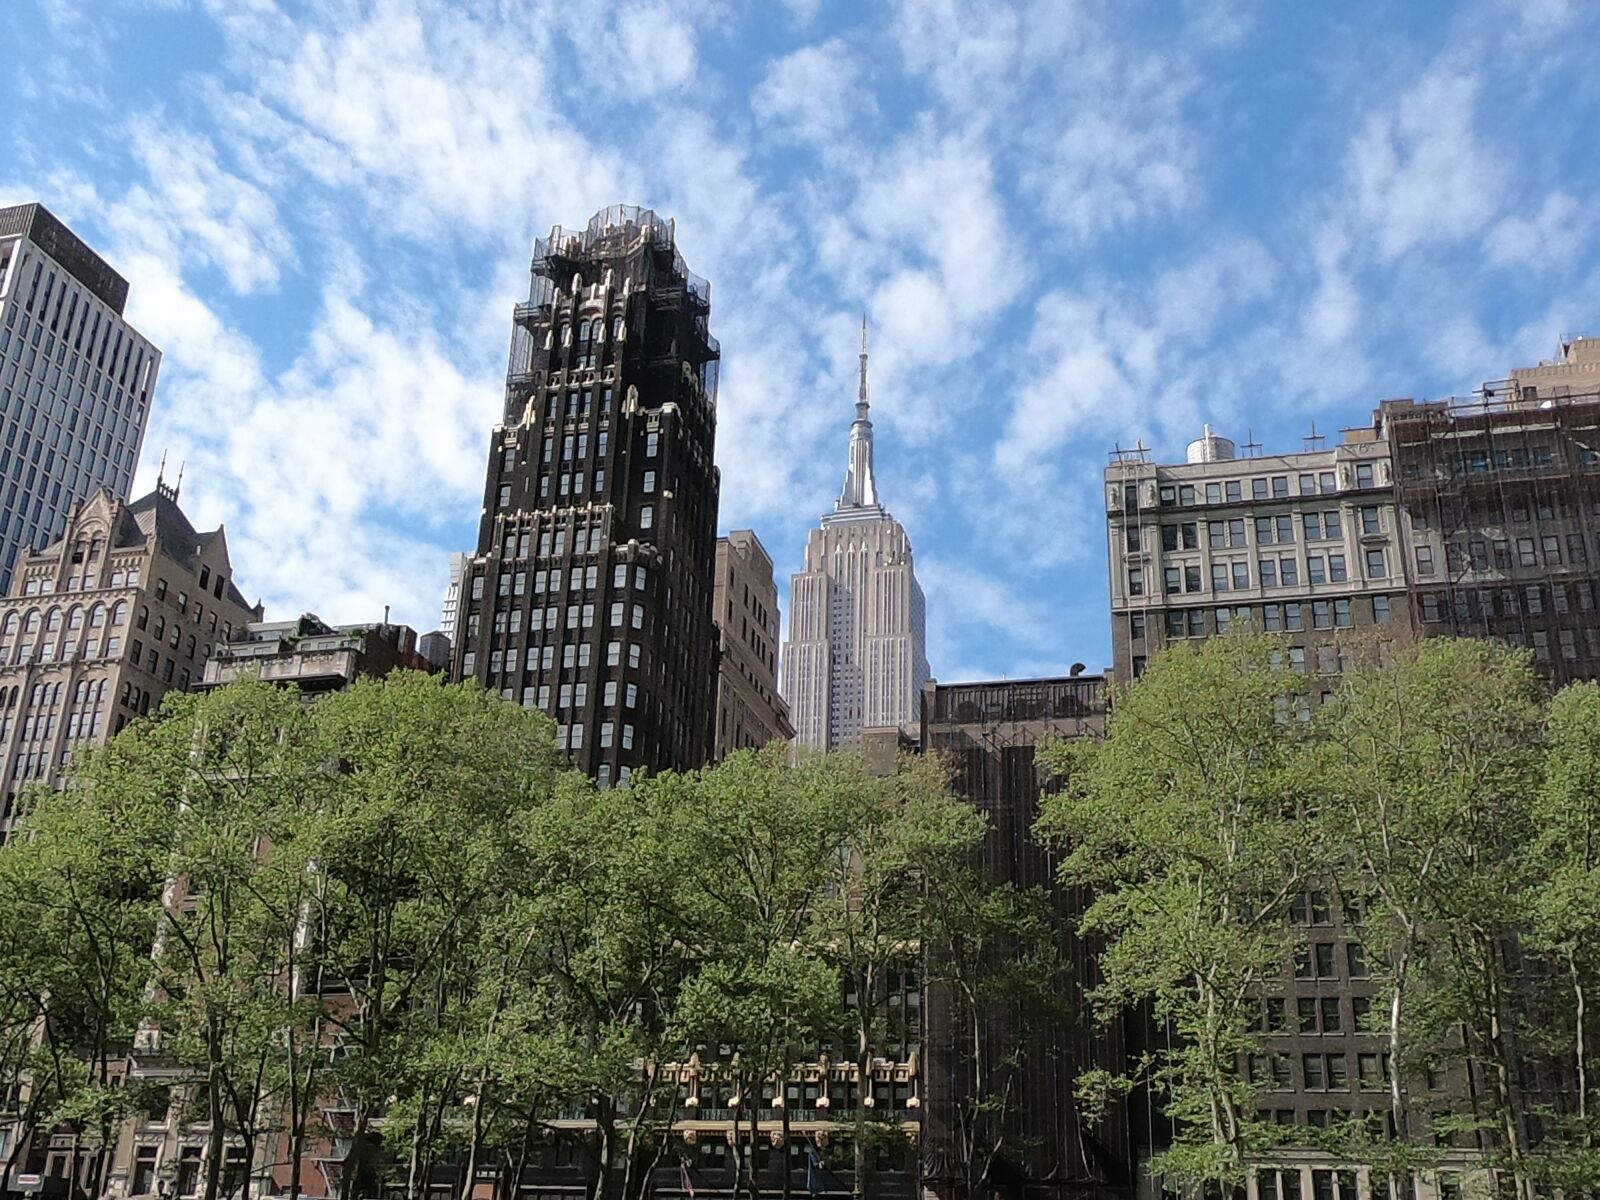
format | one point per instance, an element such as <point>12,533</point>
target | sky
<point>1072,225</point>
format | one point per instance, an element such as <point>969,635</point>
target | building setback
<point>1501,502</point>
<point>75,381</point>
<point>589,595</point>
<point>311,656</point>
<point>126,606</point>
<point>750,713</point>
<point>856,657</point>
<point>1307,545</point>
<point>989,732</point>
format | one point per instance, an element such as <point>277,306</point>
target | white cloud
<point>813,95</point>
<point>1420,171</point>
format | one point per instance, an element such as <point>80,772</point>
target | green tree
<point>1428,763</point>
<point>412,843</point>
<point>899,833</point>
<point>770,833</point>
<point>1191,825</point>
<point>80,898</point>
<point>1565,905</point>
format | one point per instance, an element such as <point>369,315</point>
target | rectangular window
<point>1377,564</point>
<point>1364,478</point>
<point>1311,524</point>
<point>1241,576</point>
<point>1341,614</point>
<point>1315,571</point>
<point>1267,572</point>
<point>1219,577</point>
<point>1289,572</point>
<point>1330,524</point>
<point>1232,489</point>
<point>1336,569</point>
<point>1258,489</point>
<point>1424,560</point>
<point>647,517</point>
<point>1370,522</point>
<point>1172,578</point>
<point>1135,581</point>
<point>1380,610</point>
<point>1280,486</point>
<point>1293,621</point>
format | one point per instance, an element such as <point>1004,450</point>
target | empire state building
<point>856,657</point>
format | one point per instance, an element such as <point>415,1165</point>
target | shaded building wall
<point>990,733</point>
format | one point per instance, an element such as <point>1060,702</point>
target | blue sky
<point>1073,224</point>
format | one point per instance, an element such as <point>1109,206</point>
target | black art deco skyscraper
<point>590,592</point>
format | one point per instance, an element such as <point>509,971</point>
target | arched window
<point>583,330</point>
<point>30,623</point>
<point>97,616</point>
<point>144,615</point>
<point>52,623</point>
<point>75,617</point>
<point>190,651</point>
<point>161,628</point>
<point>566,335</point>
<point>11,623</point>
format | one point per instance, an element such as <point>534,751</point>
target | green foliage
<point>1189,822</point>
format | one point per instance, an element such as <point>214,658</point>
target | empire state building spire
<point>860,489</point>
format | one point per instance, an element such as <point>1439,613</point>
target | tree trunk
<point>1579,1034</point>
<point>1397,1103</point>
<point>215,1139</point>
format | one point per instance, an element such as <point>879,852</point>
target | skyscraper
<point>856,656</point>
<point>589,595</point>
<point>75,381</point>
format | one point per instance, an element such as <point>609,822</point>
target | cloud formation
<point>1072,223</point>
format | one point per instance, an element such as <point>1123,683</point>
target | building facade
<point>589,595</point>
<point>451,608</point>
<point>75,381</point>
<point>1308,545</point>
<point>1500,500</point>
<point>988,733</point>
<point>312,656</point>
<point>750,712</point>
<point>97,627</point>
<point>856,656</point>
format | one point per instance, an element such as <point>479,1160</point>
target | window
<point>649,481</point>
<point>1321,614</point>
<point>1355,959</point>
<point>1280,486</point>
<point>1377,564</point>
<point>1289,572</point>
<point>1258,489</point>
<point>1336,569</point>
<point>1293,621</point>
<point>1219,577</point>
<point>1241,575</point>
<point>1172,580</point>
<point>1136,627</point>
<point>1424,560</point>
<point>1135,581</point>
<point>1315,569</point>
<point>1364,478</point>
<point>1267,569</point>
<point>1131,538</point>
<point>647,517</point>
<point>1370,523</point>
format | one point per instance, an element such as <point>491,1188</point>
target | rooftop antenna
<point>1251,447</point>
<point>178,487</point>
<point>1315,441</point>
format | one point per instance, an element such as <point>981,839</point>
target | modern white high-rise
<point>856,657</point>
<point>75,381</point>
<point>452,597</point>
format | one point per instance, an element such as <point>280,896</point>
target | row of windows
<point>1292,617</point>
<point>1313,1014</point>
<point>1551,550</point>
<point>1270,487</point>
<point>1319,1072</point>
<point>1270,572</point>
